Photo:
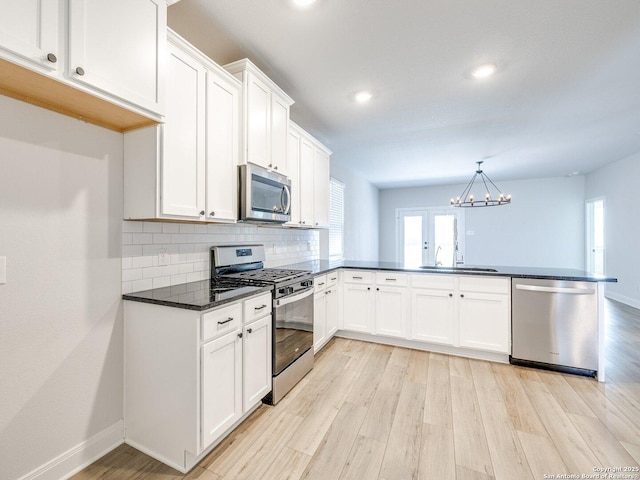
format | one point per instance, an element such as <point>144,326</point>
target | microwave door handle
<point>286,207</point>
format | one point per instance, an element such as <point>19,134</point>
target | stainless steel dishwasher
<point>555,325</point>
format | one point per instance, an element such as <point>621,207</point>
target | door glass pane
<point>444,239</point>
<point>413,241</point>
<point>598,237</point>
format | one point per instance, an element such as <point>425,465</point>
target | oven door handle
<point>281,302</point>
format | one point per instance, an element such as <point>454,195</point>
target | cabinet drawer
<point>391,278</point>
<point>221,320</point>
<point>434,282</point>
<point>332,279</point>
<point>357,277</point>
<point>257,307</point>
<point>319,283</point>
<point>485,284</point>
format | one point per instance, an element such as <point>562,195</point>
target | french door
<point>595,236</point>
<point>429,236</point>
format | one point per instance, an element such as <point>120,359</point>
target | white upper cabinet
<point>183,156</point>
<point>294,175</point>
<point>310,162</point>
<point>29,34</point>
<point>321,175</point>
<point>186,169</point>
<point>117,46</point>
<point>223,123</point>
<point>265,119</point>
<point>101,61</point>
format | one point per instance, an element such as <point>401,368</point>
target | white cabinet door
<point>257,361</point>
<point>484,321</point>
<point>358,308</point>
<point>306,183</point>
<point>293,166</point>
<point>433,316</point>
<point>391,311</point>
<point>183,159</point>
<point>319,320</point>
<point>29,29</point>
<point>333,311</point>
<point>321,174</point>
<point>221,385</point>
<point>117,46</point>
<point>279,134</point>
<point>257,121</point>
<point>223,108</point>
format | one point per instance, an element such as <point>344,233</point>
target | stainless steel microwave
<point>265,195</point>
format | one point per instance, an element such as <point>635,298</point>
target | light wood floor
<point>369,411</point>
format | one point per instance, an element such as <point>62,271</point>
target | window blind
<point>336,219</point>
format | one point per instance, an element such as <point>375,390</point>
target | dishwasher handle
<point>567,290</point>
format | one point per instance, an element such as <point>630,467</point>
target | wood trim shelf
<point>46,92</point>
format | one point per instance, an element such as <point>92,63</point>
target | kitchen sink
<point>458,269</point>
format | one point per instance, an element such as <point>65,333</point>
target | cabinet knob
<point>212,214</point>
<point>316,223</point>
<point>304,222</point>
<point>202,212</point>
<point>52,58</point>
<point>80,71</point>
<point>249,330</point>
<point>276,167</point>
<point>270,165</point>
<point>462,295</point>
<point>377,289</point>
<point>240,335</point>
<point>451,294</point>
<point>368,288</point>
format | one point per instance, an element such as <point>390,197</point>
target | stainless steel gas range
<point>292,309</point>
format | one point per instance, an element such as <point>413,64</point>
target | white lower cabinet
<point>463,311</point>
<point>256,361</point>
<point>221,385</point>
<point>325,309</point>
<point>391,304</point>
<point>358,308</point>
<point>191,376</point>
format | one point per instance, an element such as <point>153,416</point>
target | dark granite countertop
<point>323,266</point>
<point>194,295</point>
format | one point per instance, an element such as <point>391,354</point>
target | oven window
<point>293,332</point>
<point>266,195</point>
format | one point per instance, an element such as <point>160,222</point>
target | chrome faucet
<point>437,252</point>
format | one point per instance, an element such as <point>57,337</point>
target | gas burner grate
<point>268,275</point>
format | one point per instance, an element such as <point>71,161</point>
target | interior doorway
<point>595,236</point>
<point>429,236</point>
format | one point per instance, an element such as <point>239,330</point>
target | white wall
<point>618,183</point>
<point>543,227</point>
<point>189,244</point>
<point>60,310</point>
<point>361,214</point>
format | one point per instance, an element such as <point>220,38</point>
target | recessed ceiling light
<point>573,174</point>
<point>303,3</point>
<point>363,96</point>
<point>484,71</point>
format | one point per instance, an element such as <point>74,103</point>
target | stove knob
<point>282,291</point>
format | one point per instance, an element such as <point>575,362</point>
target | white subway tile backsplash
<point>140,285</point>
<point>189,248</point>
<point>131,274</point>
<point>160,282</point>
<point>152,227</point>
<point>170,228</point>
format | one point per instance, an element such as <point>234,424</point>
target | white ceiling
<point>565,98</point>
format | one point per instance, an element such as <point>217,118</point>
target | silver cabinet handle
<point>52,58</point>
<point>230,319</point>
<point>260,308</point>
<point>574,291</point>
<point>320,284</point>
<point>391,279</point>
<point>357,278</point>
<point>80,71</point>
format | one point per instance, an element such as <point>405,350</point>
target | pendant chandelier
<point>492,197</point>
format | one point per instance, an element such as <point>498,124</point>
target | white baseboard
<point>632,302</point>
<point>82,455</point>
